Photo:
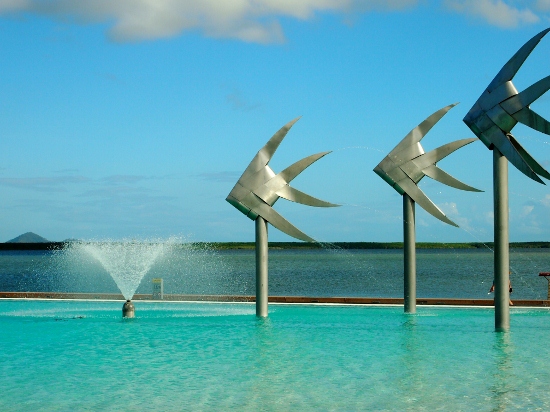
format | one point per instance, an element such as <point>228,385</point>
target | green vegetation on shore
<point>307,246</point>
<point>374,245</point>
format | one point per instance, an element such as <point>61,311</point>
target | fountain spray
<point>127,261</point>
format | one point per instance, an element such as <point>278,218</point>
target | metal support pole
<point>502,256</point>
<point>409,254</point>
<point>261,267</point>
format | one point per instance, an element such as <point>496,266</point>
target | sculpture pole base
<point>128,309</point>
<point>409,254</point>
<point>502,252</point>
<point>261,267</point>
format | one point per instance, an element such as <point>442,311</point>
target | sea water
<point>441,273</point>
<point>81,355</point>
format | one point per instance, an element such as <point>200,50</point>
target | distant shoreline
<point>308,246</point>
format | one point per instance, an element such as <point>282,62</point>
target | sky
<point>135,118</point>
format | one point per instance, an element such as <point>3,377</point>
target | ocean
<point>441,273</point>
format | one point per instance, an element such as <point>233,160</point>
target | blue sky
<point>136,118</point>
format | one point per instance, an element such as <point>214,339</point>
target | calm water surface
<point>78,355</point>
<point>370,273</point>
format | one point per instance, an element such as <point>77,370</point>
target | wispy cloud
<point>128,202</point>
<point>451,210</point>
<point>62,183</point>
<point>237,102</point>
<point>527,210</point>
<point>220,176</point>
<point>123,179</point>
<point>543,5</point>
<point>496,12</point>
<point>532,216</point>
<point>43,184</point>
<point>66,171</point>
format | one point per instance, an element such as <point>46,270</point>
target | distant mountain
<point>28,237</point>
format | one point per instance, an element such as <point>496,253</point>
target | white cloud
<point>526,210</point>
<point>543,5</point>
<point>532,217</point>
<point>13,5</point>
<point>247,20</point>
<point>256,21</point>
<point>494,12</point>
<point>451,210</point>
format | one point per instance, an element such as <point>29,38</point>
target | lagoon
<point>80,355</point>
<point>441,273</point>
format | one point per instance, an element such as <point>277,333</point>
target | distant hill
<point>28,237</point>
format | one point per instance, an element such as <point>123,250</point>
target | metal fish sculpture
<point>259,187</point>
<point>407,164</point>
<point>501,107</point>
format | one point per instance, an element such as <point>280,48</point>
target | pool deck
<point>272,299</point>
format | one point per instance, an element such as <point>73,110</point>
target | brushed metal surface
<point>407,164</point>
<point>260,187</point>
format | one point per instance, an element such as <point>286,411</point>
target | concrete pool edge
<point>272,299</point>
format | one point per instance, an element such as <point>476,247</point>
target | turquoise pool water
<point>79,355</point>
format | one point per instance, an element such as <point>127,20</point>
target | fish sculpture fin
<point>529,160</point>
<point>298,167</point>
<point>441,176</point>
<point>510,69</point>
<point>265,154</point>
<point>416,134</point>
<point>419,197</point>
<point>295,195</point>
<point>275,219</point>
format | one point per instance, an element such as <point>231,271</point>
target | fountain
<point>127,261</point>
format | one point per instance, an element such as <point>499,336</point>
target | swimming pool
<point>81,355</point>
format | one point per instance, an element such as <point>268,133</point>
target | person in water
<point>509,289</point>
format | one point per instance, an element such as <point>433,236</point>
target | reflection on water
<point>502,372</point>
<point>412,381</point>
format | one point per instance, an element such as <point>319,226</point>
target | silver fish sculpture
<point>407,164</point>
<point>259,187</point>
<point>501,107</point>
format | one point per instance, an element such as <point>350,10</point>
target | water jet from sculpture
<point>126,261</point>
